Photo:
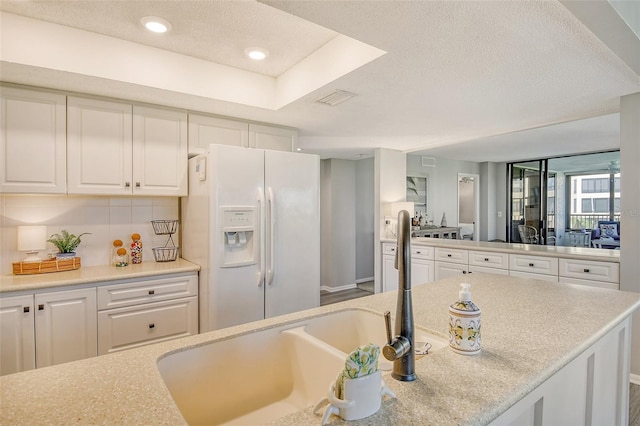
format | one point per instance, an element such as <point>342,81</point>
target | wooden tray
<point>46,266</point>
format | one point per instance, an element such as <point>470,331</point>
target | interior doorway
<point>469,205</point>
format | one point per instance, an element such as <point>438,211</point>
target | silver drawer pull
<point>531,264</point>
<point>152,325</point>
<point>586,269</point>
<point>152,292</point>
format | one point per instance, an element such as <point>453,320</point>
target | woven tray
<point>46,266</point>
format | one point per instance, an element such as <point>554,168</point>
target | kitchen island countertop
<point>525,341</point>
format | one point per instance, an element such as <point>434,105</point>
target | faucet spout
<point>400,349</point>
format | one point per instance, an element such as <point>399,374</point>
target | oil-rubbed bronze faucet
<point>399,349</point>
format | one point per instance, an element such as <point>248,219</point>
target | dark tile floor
<point>366,289</point>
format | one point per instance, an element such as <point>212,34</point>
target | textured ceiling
<point>216,31</point>
<point>453,71</point>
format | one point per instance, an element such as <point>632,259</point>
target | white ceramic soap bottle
<point>464,323</point>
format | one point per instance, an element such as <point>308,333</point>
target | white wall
<point>390,186</point>
<point>630,207</point>
<point>338,224</point>
<point>364,220</point>
<point>106,218</point>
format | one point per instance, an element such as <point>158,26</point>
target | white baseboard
<point>364,280</point>
<point>334,289</point>
<point>635,379</point>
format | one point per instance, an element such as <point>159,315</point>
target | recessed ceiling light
<point>156,24</point>
<point>256,53</point>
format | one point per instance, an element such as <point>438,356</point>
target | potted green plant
<point>66,243</point>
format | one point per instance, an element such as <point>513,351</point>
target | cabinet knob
<point>448,255</point>
<point>152,292</point>
<point>418,252</point>
<point>41,307</point>
<point>127,184</point>
<point>486,259</point>
<point>26,309</point>
<point>137,184</point>
<point>152,325</point>
<point>464,272</point>
<point>586,269</point>
<point>393,249</point>
<point>531,264</point>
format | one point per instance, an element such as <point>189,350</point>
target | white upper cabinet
<point>205,130</point>
<point>99,147</point>
<point>159,152</point>
<point>275,138</point>
<point>33,142</point>
<point>119,149</point>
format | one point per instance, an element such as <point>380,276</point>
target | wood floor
<point>366,289</point>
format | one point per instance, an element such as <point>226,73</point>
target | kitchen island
<point>533,333</point>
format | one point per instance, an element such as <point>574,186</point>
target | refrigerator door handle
<point>270,234</point>
<point>260,234</point>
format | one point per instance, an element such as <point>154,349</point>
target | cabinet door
<point>33,142</point>
<point>125,328</point>
<point>446,270</point>
<point>99,147</point>
<point>422,272</point>
<point>204,131</point>
<point>389,273</point>
<point>66,326</point>
<point>17,338</point>
<point>276,138</point>
<point>159,152</point>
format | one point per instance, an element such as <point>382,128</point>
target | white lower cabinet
<point>422,266</point>
<point>140,312</point>
<point>595,274</point>
<point>66,326</point>
<point>17,335</point>
<point>47,329</point>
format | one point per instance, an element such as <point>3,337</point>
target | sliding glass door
<point>528,200</point>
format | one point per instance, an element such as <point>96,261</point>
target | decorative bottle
<point>120,257</point>
<point>136,249</point>
<point>464,323</point>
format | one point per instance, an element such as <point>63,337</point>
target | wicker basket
<point>164,227</point>
<point>46,266</point>
<point>165,254</point>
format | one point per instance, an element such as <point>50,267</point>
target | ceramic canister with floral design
<point>464,323</point>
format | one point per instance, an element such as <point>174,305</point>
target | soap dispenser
<point>464,323</point>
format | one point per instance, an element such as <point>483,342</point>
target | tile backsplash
<point>106,218</point>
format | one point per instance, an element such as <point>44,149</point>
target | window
<point>586,205</point>
<point>595,185</point>
<point>600,205</point>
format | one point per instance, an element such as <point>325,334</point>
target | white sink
<point>270,373</point>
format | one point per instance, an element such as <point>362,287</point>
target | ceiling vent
<point>428,162</point>
<point>336,97</point>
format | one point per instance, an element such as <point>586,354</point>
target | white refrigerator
<point>252,223</point>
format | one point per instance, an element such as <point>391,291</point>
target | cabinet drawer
<point>488,270</point>
<point>590,283</point>
<point>534,264</point>
<point>489,259</point>
<point>125,328</point>
<point>389,248</point>
<point>422,252</point>
<point>590,270</point>
<point>147,291</point>
<point>452,255</point>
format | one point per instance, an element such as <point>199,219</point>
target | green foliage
<point>66,242</point>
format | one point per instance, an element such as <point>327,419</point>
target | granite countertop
<point>524,338</point>
<point>580,253</point>
<point>93,274</point>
